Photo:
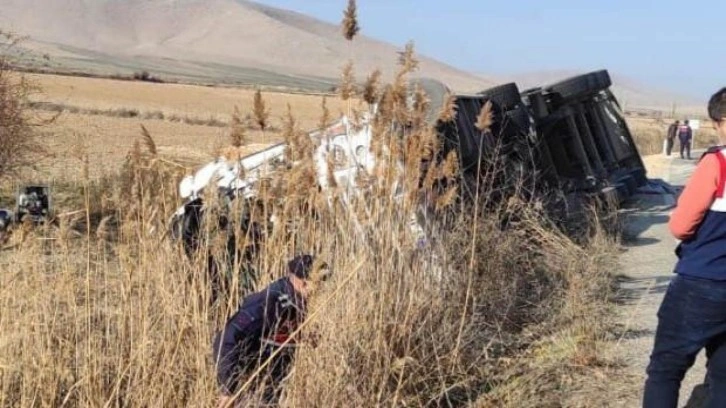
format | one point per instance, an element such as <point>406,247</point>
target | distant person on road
<point>692,315</point>
<point>262,329</point>
<point>685,136</point>
<point>671,136</point>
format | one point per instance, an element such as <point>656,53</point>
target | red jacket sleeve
<point>696,198</point>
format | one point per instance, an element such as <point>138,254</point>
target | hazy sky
<point>676,45</point>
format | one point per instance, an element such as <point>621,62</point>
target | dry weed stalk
<point>148,141</point>
<point>407,59</point>
<point>324,116</point>
<point>371,88</point>
<point>260,112</point>
<point>238,134</point>
<point>448,110</point>
<point>348,87</point>
<point>485,118</point>
<point>129,322</point>
<point>350,21</point>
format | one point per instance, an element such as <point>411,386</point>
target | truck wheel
<point>436,92</point>
<point>582,85</point>
<point>507,95</point>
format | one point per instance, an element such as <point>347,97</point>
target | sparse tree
<point>19,142</point>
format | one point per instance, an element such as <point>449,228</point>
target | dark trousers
<point>692,317</point>
<point>268,382</point>
<point>669,145</point>
<point>686,145</point>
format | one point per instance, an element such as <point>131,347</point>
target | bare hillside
<point>220,37</point>
<point>629,92</point>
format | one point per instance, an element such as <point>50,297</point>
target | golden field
<point>164,109</point>
<point>189,122</point>
<point>101,308</point>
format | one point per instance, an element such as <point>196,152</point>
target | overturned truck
<point>569,137</point>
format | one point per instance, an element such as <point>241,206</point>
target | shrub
<point>19,143</point>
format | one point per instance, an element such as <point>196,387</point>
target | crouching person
<point>261,330</point>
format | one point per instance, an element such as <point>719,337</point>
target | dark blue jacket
<point>685,133</point>
<point>703,254</point>
<point>264,319</point>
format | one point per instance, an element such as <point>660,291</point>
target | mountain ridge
<point>235,33</point>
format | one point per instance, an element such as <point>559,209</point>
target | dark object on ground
<point>33,203</point>
<point>6,218</point>
<point>187,228</point>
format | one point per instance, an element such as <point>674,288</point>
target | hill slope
<point>629,92</point>
<point>224,39</point>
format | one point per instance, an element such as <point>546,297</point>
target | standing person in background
<point>692,315</point>
<point>671,136</point>
<point>685,135</point>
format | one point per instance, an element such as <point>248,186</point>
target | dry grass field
<point>179,99</point>
<point>102,309</point>
<point>187,122</point>
<point>649,134</point>
<point>507,303</point>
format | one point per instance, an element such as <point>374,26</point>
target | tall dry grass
<point>103,310</point>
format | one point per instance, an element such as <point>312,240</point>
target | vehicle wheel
<point>582,85</point>
<point>436,92</point>
<point>507,95</point>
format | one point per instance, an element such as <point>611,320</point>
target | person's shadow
<point>699,396</point>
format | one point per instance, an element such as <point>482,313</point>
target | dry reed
<point>349,24</point>
<point>121,317</point>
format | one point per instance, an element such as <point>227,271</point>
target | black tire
<point>582,85</point>
<point>436,91</point>
<point>507,95</point>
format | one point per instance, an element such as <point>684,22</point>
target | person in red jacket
<point>692,315</point>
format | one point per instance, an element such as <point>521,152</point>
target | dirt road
<point>647,267</point>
